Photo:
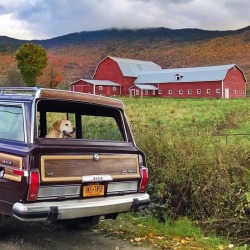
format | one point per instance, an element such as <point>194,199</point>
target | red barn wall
<point>85,87</point>
<point>108,69</point>
<point>235,82</point>
<point>82,86</point>
<point>193,86</point>
<point>107,90</point>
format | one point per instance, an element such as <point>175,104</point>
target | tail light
<point>144,179</point>
<point>34,184</point>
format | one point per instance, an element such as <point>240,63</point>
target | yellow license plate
<point>93,190</point>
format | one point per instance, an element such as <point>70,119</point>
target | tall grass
<point>192,171</point>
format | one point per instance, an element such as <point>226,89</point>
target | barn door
<point>132,92</point>
<point>227,93</point>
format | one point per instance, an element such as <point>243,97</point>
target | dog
<point>61,129</point>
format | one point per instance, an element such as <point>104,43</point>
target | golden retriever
<point>61,129</point>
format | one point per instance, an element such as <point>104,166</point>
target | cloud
<point>40,19</point>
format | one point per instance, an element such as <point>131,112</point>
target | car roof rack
<point>17,90</point>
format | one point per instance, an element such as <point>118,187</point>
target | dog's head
<point>64,127</point>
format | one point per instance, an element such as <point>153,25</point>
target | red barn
<point>97,87</point>
<point>143,90</point>
<point>122,71</point>
<point>224,81</point>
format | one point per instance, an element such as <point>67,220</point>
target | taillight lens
<point>144,179</point>
<point>34,183</point>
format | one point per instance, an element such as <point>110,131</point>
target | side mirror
<point>2,171</point>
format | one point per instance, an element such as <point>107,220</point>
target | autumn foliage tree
<point>31,60</point>
<point>52,75</point>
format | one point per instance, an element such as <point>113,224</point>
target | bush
<point>200,177</point>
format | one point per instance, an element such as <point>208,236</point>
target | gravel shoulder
<point>20,235</point>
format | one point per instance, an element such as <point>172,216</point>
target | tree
<point>52,75</point>
<point>14,78</point>
<point>31,60</point>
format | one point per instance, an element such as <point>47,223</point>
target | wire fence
<point>227,136</point>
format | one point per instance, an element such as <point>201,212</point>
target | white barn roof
<point>195,74</point>
<point>98,82</point>
<point>145,87</point>
<point>133,68</point>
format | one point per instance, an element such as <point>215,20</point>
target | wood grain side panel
<point>15,162</point>
<point>70,168</point>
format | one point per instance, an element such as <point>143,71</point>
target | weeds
<point>192,172</point>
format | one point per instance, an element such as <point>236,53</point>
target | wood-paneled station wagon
<point>96,172</point>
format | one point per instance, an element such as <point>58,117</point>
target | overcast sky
<point>42,19</point>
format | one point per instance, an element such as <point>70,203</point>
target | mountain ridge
<point>79,53</point>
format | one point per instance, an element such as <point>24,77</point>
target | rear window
<point>90,121</point>
<point>11,123</point>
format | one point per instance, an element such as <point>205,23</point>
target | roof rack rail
<point>17,89</point>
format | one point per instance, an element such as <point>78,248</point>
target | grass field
<point>187,115</point>
<point>198,156</point>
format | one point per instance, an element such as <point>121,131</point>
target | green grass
<point>195,170</point>
<point>186,115</point>
<point>179,234</point>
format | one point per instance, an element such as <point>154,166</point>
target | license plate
<point>92,190</point>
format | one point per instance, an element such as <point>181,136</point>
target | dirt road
<point>15,235</point>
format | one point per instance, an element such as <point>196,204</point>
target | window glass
<point>100,128</point>
<point>89,121</point>
<point>11,123</point>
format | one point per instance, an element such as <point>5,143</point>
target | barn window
<point>234,68</point>
<point>190,91</point>
<point>242,92</point>
<point>137,92</point>
<point>208,91</point>
<point>235,91</point>
<point>180,91</point>
<point>199,91</point>
<point>114,88</point>
<point>170,92</point>
<point>100,88</point>
<point>159,92</point>
<point>153,92</point>
<point>217,91</point>
<point>146,92</point>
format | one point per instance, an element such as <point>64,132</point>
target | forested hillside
<point>77,55</point>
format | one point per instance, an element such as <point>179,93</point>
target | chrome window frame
<point>18,104</point>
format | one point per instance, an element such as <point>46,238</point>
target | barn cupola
<point>178,77</point>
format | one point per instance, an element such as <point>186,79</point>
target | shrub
<point>200,177</point>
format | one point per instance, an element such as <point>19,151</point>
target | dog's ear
<point>57,124</point>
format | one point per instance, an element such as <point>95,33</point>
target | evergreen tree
<point>31,60</point>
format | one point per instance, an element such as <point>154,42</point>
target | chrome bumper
<point>72,209</point>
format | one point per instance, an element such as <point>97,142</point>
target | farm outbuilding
<point>96,87</point>
<point>224,81</point>
<point>122,71</point>
<point>128,77</point>
<point>143,90</point>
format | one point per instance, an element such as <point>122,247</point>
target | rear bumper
<point>72,209</point>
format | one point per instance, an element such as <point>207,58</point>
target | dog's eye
<point>66,124</point>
